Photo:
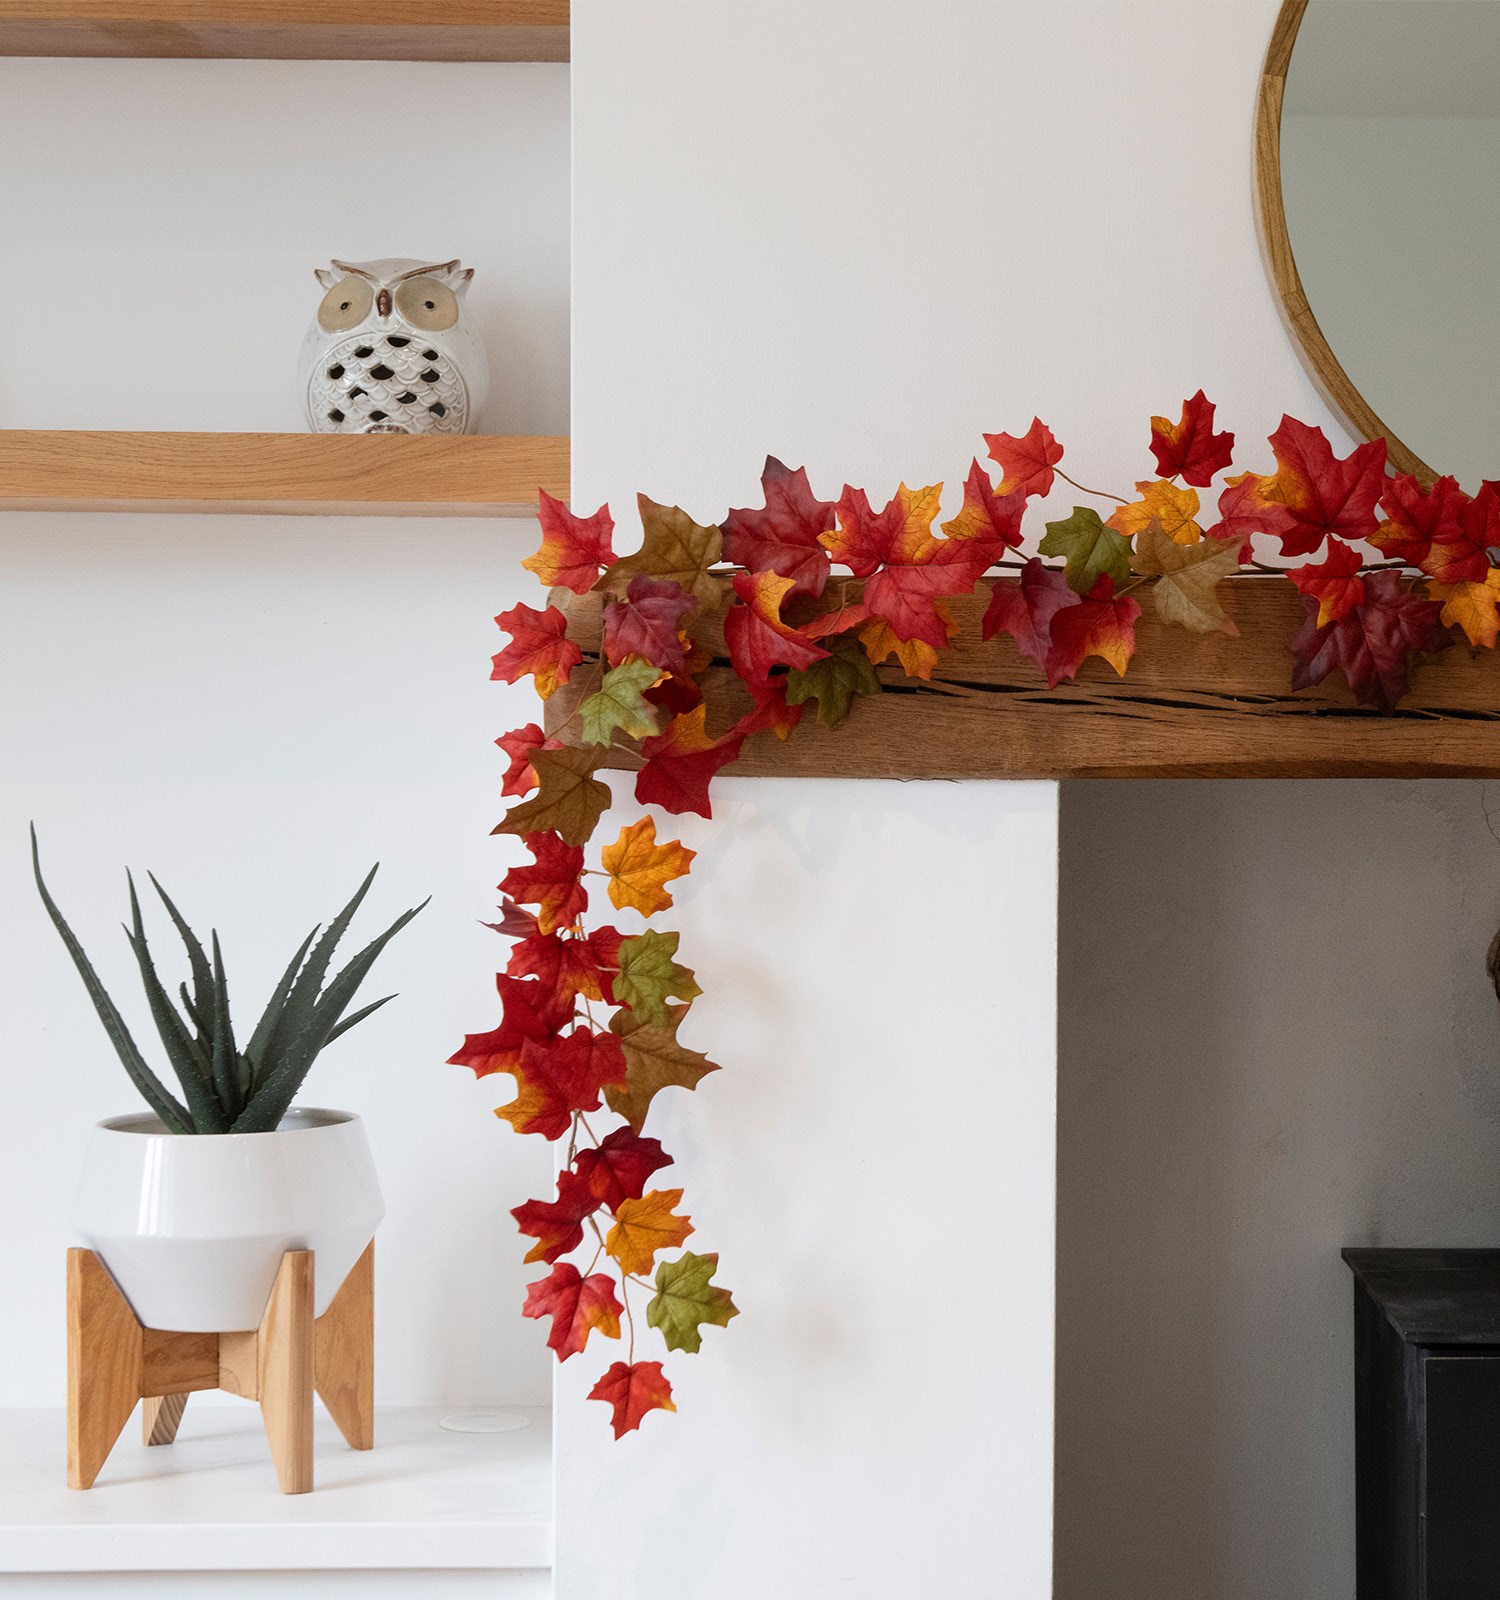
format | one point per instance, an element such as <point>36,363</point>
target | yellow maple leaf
<point>639,868</point>
<point>644,1226</point>
<point>1471,606</point>
<point>1166,506</point>
<point>917,658</point>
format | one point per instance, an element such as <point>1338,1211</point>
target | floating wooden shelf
<point>1191,706</point>
<point>289,30</point>
<point>289,474</point>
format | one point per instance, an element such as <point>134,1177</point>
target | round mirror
<point>1377,156</point>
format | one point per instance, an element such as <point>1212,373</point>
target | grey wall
<point>1275,1039</point>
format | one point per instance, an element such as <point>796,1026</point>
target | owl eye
<point>427,304</point>
<point>346,305</point>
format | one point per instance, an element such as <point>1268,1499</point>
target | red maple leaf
<point>577,1306</point>
<point>553,883</point>
<point>1324,495</point>
<point>1191,447</point>
<point>758,639</point>
<point>529,1010</point>
<point>1244,509</point>
<point>520,775</point>
<point>991,520</point>
<point>674,694</point>
<point>647,623</point>
<point>1373,645</point>
<point>570,965</point>
<point>1099,625</point>
<point>907,568</point>
<point>770,712</point>
<point>539,645</point>
<point>556,1225</point>
<point>633,1391</point>
<point>556,1077</point>
<point>1416,517</point>
<point>573,548</point>
<point>619,1168</point>
<point>1335,583</point>
<point>681,762</point>
<point>784,536</point>
<point>1025,609</point>
<point>515,923</point>
<point>1027,462</point>
<point>865,538</point>
<point>1466,557</point>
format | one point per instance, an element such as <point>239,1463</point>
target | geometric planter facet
<point>193,1227</point>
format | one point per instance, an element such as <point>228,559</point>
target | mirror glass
<point>1390,151</point>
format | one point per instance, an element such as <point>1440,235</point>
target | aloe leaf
<point>303,997</point>
<point>259,1049</point>
<point>197,959</point>
<point>187,1056</point>
<point>359,1016</point>
<point>270,1101</point>
<point>173,1114</point>
<point>189,1005</point>
<point>222,1067</point>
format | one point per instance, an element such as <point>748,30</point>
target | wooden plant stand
<point>113,1361</point>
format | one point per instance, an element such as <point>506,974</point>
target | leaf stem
<point>1100,494</point>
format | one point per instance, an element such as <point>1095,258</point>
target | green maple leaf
<point>685,1300</point>
<point>1089,548</point>
<point>648,974</point>
<point>654,1060</point>
<point>834,681</point>
<point>618,703</point>
<point>569,798</point>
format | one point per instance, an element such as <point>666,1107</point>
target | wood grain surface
<point>297,30</point>
<point>1191,706</point>
<point>294,474</point>
<point>344,1357</point>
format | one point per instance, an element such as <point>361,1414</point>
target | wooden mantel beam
<point>1191,706</point>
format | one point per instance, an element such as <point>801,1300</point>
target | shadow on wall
<point>1276,1038</point>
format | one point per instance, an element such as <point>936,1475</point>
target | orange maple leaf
<point>1471,606</point>
<point>639,868</point>
<point>644,1226</point>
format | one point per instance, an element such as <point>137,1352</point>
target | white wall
<point>856,236</point>
<point>160,222</point>
<point>1276,1039</point>
<point>258,708</point>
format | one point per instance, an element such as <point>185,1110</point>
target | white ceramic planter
<point>193,1226</point>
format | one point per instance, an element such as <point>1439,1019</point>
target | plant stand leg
<point>344,1362</point>
<point>104,1365</point>
<point>160,1415</point>
<point>285,1375</point>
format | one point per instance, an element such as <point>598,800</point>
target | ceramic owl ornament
<point>391,350</point>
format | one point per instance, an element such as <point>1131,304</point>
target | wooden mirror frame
<point>1323,366</point>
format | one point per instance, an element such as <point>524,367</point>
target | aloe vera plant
<point>226,1088</point>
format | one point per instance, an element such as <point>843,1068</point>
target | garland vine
<point>1371,619</point>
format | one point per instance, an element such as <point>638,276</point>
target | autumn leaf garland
<point>609,1229</point>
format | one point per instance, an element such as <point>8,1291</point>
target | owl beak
<point>383,302</point>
